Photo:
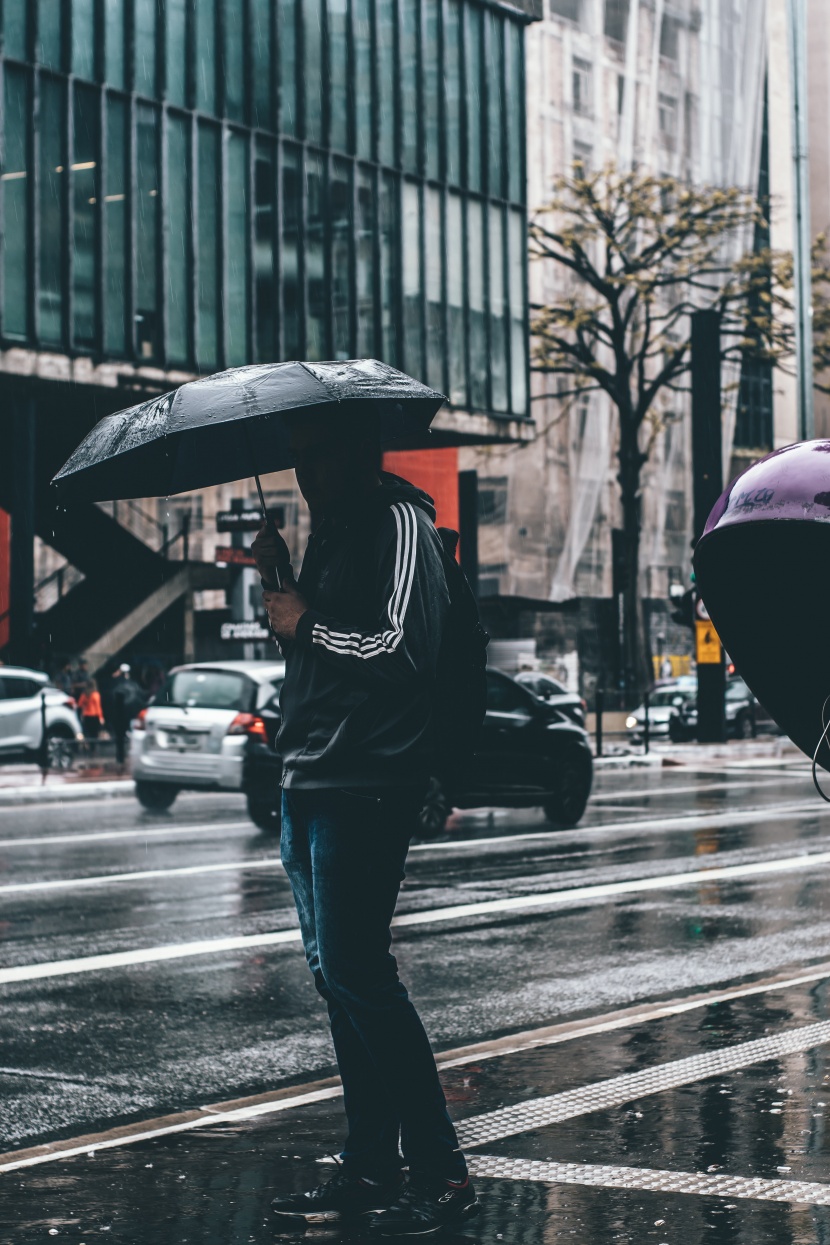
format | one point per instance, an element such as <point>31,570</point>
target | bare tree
<point>640,254</point>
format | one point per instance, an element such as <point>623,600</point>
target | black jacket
<point>357,698</point>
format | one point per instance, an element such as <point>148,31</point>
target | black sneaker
<point>345,1196</point>
<point>426,1207</point>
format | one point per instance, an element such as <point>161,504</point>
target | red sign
<point>226,555</point>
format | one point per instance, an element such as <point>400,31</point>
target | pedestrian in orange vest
<point>92,714</point>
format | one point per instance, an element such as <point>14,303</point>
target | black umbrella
<point>230,425</point>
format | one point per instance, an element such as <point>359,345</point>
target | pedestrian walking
<point>92,714</point>
<point>361,632</point>
<point>126,702</point>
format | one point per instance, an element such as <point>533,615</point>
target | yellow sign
<point>708,647</point>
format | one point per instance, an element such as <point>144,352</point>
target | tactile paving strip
<point>649,1178</point>
<point>539,1112</point>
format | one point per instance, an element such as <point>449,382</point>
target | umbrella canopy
<point>231,425</point>
<point>761,567</point>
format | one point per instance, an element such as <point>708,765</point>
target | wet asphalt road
<point>83,1050</point>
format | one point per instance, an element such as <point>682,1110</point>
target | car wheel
<point>570,785</point>
<point>435,810</point>
<point>60,748</point>
<point>743,726</point>
<point>265,814</point>
<point>156,797</point>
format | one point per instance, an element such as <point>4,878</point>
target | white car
<point>193,734</point>
<point>36,718</point>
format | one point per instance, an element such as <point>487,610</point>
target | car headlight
<point>631,722</point>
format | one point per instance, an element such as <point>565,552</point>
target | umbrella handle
<point>276,585</point>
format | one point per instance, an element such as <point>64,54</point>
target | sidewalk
<point>694,1121</point>
<point>29,784</point>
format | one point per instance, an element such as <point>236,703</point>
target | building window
<point>432,89</point>
<point>205,43</point>
<point>175,50</point>
<point>390,232</point>
<point>670,37</point>
<point>495,102</point>
<point>498,309</point>
<point>475,298</point>
<point>454,51</point>
<point>434,259</point>
<point>115,228</point>
<point>237,293</point>
<point>292,215</point>
<point>410,111</point>
<point>51,121</point>
<point>474,34</point>
<point>455,301</point>
<point>365,275</point>
<point>179,224</point>
<point>339,95</point>
<point>313,18</point>
<point>413,339</point>
<point>492,500</point>
<point>571,10</point>
<point>265,287</point>
<point>286,16</point>
<point>83,39</point>
<point>262,63</point>
<point>85,172</point>
<point>515,111</point>
<point>667,111</point>
<point>583,157</point>
<point>364,69</point>
<point>385,11</point>
<point>147,231</point>
<point>16,29</point>
<point>581,86</point>
<point>340,211</point>
<point>233,60</point>
<point>50,19</point>
<point>315,258</point>
<point>208,248</point>
<point>616,19</point>
<point>144,47</point>
<point>14,182</point>
<point>517,252</point>
<point>114,45</point>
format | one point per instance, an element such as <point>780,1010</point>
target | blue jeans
<point>344,854</point>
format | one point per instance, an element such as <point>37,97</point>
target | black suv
<point>530,754</point>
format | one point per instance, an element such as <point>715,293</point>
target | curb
<point>117,788</point>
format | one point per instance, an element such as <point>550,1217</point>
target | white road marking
<point>703,1184</point>
<point>103,836</point>
<point>664,791</point>
<point>139,875</point>
<point>535,1113</point>
<point>545,899</point>
<point>641,825</point>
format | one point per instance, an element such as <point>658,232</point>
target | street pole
<point>797,25</point>
<point>707,479</point>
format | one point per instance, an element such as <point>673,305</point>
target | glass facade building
<point>195,184</point>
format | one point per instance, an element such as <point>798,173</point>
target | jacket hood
<point>394,488</point>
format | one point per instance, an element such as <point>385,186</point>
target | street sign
<point>238,521</point>
<point>226,555</point>
<point>250,629</point>
<point>247,520</point>
<point>708,646</point>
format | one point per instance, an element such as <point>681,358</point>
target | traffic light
<point>683,608</point>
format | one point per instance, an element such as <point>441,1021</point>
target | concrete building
<point>676,87</point>
<point>196,184</point>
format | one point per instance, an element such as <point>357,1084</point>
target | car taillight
<point>140,724</point>
<point>249,724</point>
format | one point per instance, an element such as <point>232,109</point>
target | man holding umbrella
<point>361,632</point>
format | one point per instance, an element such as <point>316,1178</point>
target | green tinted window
<point>144,47</point>
<point>409,85</point>
<point>114,44</point>
<point>315,258</point>
<point>85,189</point>
<point>517,256</point>
<point>83,38</point>
<point>176,51</point>
<point>50,17</point>
<point>16,29</point>
<point>413,336</point>
<point>365,259</point>
<point>51,207</point>
<point>432,88</point>
<point>475,296</point>
<point>115,228</point>
<point>236,297</point>
<point>515,111</point>
<point>265,185</point>
<point>498,318</point>
<point>291,258</point>
<point>338,44</point>
<point>363,77</point>
<point>207,349</point>
<point>204,14</point>
<point>389,266</point>
<point>452,87</point>
<point>387,92</point>
<point>233,61</point>
<point>495,102</point>
<point>262,62</point>
<point>434,263</point>
<point>147,231</point>
<point>15,181</point>
<point>179,226</point>
<point>455,301</point>
<point>313,68</point>
<point>340,201</point>
<point>287,45</point>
